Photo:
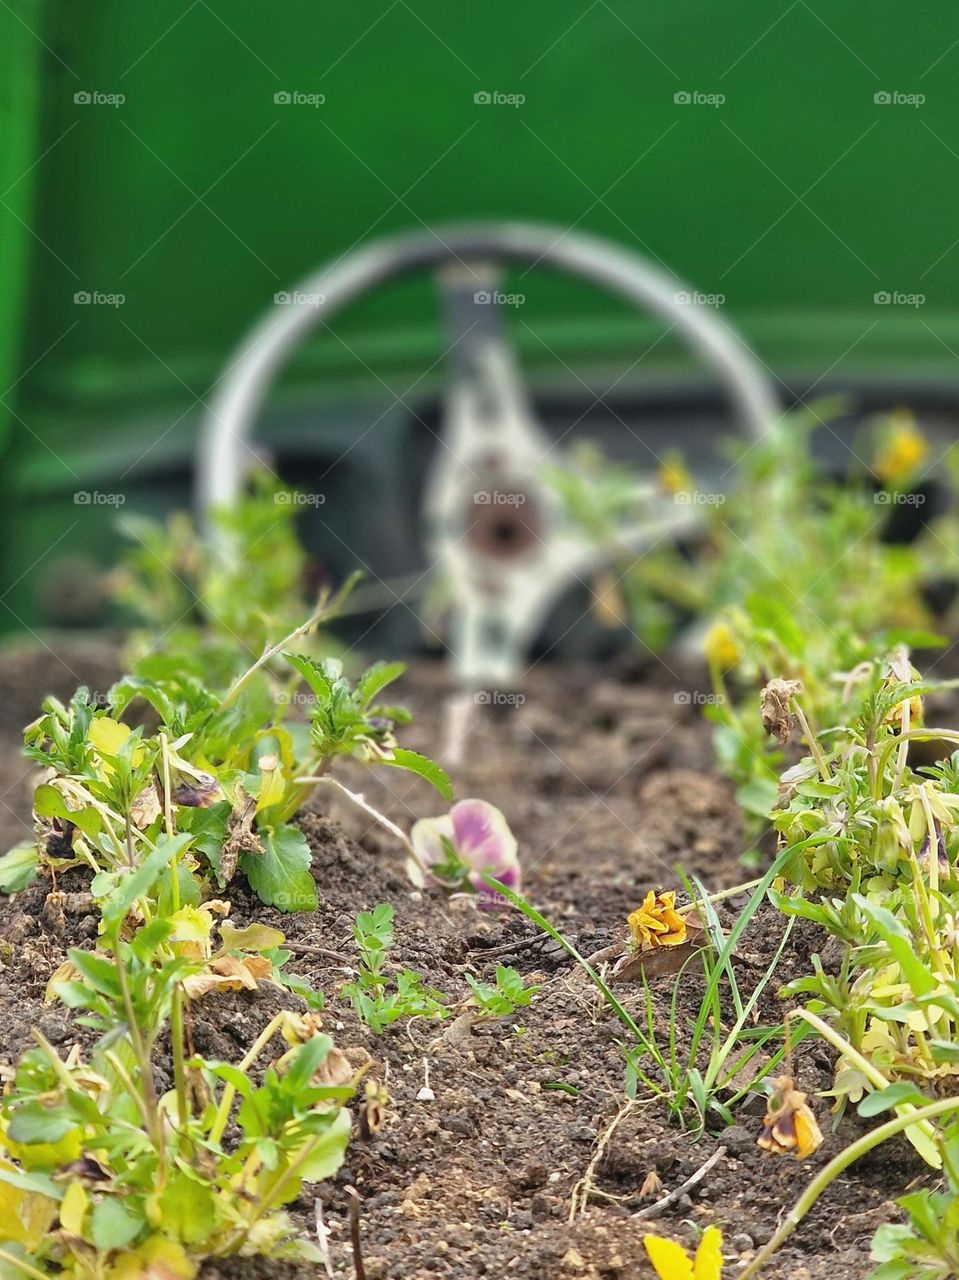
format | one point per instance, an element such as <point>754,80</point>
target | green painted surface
<point>199,196</point>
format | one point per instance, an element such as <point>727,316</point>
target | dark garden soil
<point>607,785</point>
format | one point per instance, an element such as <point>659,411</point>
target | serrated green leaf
<point>319,679</point>
<point>376,678</point>
<point>280,875</point>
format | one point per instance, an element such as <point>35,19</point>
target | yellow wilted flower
<point>672,1262</point>
<point>673,476</point>
<point>720,647</point>
<point>657,923</point>
<point>789,1124</point>
<point>903,449</point>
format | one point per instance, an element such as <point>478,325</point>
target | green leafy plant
<point>215,602</point>
<point>789,575</point>
<point>503,998</point>
<point>379,1000</point>
<point>926,1246</point>
<point>239,770</point>
<point>105,1175</point>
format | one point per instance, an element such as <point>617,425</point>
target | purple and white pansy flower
<point>472,839</point>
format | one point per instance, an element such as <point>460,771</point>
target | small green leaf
<point>32,1122</point>
<point>189,1209</point>
<point>18,868</point>
<point>280,875</point>
<point>375,680</point>
<point>115,1223</point>
<point>413,762</point>
<point>893,1095</point>
<point>317,677</point>
<point>327,1155</point>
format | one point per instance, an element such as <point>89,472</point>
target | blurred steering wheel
<point>494,528</point>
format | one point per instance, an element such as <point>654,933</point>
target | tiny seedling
<point>502,998</point>
<point>377,1000</point>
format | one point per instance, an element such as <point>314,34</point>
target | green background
<point>798,199</point>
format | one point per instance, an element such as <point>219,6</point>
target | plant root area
<point>508,1148</point>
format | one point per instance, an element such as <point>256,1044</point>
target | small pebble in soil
<point>459,1123</point>
<point>742,1243</point>
<point>738,1138</point>
<point>541,1206</point>
<point>55,1027</point>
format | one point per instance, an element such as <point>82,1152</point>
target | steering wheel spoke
<point>496,530</point>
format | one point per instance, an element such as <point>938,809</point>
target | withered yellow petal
<point>670,1260</point>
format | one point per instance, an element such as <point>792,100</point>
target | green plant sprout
<point>378,1002</point>
<point>505,996</point>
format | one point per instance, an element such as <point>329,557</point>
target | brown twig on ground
<point>308,949</point>
<point>506,948</point>
<point>358,1268</point>
<point>653,1210</point>
<point>581,1191</point>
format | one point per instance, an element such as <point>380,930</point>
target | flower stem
<point>381,818</point>
<point>872,1074</point>
<point>229,1093</point>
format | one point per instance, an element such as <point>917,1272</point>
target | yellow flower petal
<point>709,1256</point>
<point>73,1209</point>
<point>670,1260</point>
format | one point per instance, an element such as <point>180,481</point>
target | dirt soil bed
<point>607,786</point>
